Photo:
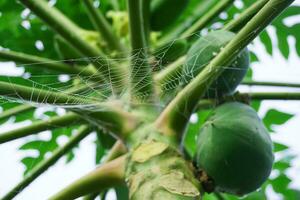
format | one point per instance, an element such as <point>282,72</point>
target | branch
<point>145,4</point>
<point>276,84</point>
<point>236,24</point>
<point>174,118</point>
<point>71,33</point>
<point>35,61</point>
<point>109,114</point>
<point>83,131</point>
<point>116,151</point>
<point>40,95</point>
<point>106,176</point>
<point>207,18</point>
<point>272,95</point>
<point>15,110</point>
<point>103,27</point>
<point>39,126</point>
<point>199,11</point>
<point>25,107</point>
<point>246,97</point>
<point>171,74</point>
<point>141,75</point>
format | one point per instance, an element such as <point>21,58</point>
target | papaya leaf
<point>279,147</point>
<point>44,148</point>
<point>122,193</point>
<point>103,143</point>
<point>275,117</point>
<point>280,182</point>
<point>282,29</point>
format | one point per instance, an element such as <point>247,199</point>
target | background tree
<point>119,72</point>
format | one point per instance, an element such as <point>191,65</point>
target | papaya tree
<point>133,72</point>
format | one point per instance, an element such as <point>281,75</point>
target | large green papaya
<point>165,12</point>
<point>234,149</point>
<point>203,51</point>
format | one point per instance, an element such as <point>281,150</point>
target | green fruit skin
<point>203,51</point>
<point>171,51</point>
<point>235,149</point>
<point>165,12</point>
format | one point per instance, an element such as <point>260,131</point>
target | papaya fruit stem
<point>83,131</point>
<point>174,118</point>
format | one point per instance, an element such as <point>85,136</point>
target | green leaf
<point>275,117</point>
<point>122,193</point>
<point>280,183</point>
<point>265,38</point>
<point>43,148</point>
<point>279,147</point>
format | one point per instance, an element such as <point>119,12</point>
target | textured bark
<point>157,171</point>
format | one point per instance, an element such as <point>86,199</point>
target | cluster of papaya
<point>234,149</point>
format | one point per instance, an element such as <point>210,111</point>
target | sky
<point>271,68</point>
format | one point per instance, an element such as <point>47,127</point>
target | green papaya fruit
<point>165,12</point>
<point>235,149</point>
<point>203,51</point>
<point>171,51</point>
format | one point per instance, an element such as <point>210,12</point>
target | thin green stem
<point>146,19</point>
<point>170,72</point>
<point>35,61</point>
<point>109,115</point>
<point>15,110</point>
<point>26,107</point>
<point>106,176</point>
<point>141,75</point>
<point>249,96</point>
<point>198,13</point>
<point>103,27</point>
<point>276,84</point>
<point>272,95</point>
<point>236,24</point>
<point>91,196</point>
<point>83,131</point>
<point>39,126</point>
<point>40,95</point>
<point>117,150</point>
<point>174,118</point>
<point>207,18</point>
<point>111,72</point>
<point>62,25</point>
